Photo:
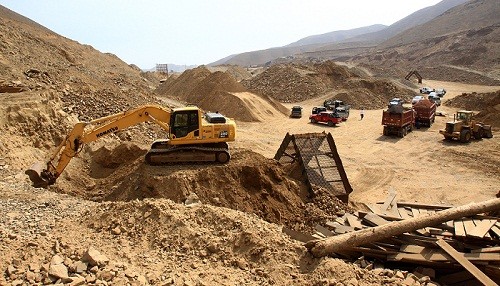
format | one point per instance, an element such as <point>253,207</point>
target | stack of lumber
<point>458,250</point>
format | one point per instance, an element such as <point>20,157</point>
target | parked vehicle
<point>440,92</point>
<point>434,98</point>
<point>464,127</point>
<point>329,117</point>
<point>426,90</point>
<point>425,113</point>
<point>339,107</point>
<point>318,109</point>
<point>296,112</point>
<point>416,99</point>
<point>398,123</point>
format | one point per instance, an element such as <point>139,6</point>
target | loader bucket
<point>35,174</point>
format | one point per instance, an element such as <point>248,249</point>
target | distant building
<point>162,68</point>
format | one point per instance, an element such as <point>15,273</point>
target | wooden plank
<point>440,232</point>
<point>331,223</point>
<point>468,225</point>
<point>403,213</point>
<point>415,212</point>
<point>339,228</point>
<point>374,219</point>
<point>486,249</point>
<point>496,230</point>
<point>343,229</point>
<point>437,256</point>
<point>324,231</point>
<point>386,217</point>
<point>459,257</point>
<point>353,221</point>
<point>374,208</point>
<point>423,206</point>
<point>389,201</point>
<point>409,248</point>
<point>482,228</point>
<point>302,237</point>
<point>458,224</point>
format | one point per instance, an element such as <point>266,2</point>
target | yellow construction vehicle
<point>192,136</point>
<point>464,127</point>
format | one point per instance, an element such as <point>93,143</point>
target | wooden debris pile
<point>406,236</point>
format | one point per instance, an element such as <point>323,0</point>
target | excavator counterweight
<point>192,136</point>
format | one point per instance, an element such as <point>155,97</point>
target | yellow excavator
<point>192,136</point>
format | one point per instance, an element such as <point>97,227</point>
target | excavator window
<point>185,122</point>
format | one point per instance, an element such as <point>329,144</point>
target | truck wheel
<point>313,120</point>
<point>401,133</point>
<point>465,136</point>
<point>330,123</point>
<point>385,131</point>
<point>479,134</point>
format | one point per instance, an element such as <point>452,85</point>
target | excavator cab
<point>184,122</point>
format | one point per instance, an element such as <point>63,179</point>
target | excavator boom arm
<point>84,132</point>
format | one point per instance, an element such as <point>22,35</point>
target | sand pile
<point>487,104</point>
<point>210,91</point>
<point>249,183</point>
<point>237,72</point>
<point>295,83</point>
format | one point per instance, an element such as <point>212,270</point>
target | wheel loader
<point>464,127</point>
<point>192,136</point>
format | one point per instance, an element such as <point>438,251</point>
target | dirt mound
<point>239,73</point>
<point>210,91</point>
<point>249,182</point>
<point>296,83</point>
<point>488,105</point>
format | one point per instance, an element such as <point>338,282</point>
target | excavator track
<point>187,154</point>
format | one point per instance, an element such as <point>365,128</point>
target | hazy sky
<point>203,31</point>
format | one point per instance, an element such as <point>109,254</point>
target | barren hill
<point>300,82</point>
<point>460,45</point>
<point>341,44</point>
<point>93,84</point>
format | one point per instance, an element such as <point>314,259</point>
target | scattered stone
<point>94,257</point>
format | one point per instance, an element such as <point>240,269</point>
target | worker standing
<point>362,113</point>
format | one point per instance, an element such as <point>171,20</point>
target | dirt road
<point>420,167</point>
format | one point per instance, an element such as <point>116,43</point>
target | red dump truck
<point>398,120</point>
<point>426,112</point>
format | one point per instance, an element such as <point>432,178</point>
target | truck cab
<point>296,112</point>
<point>318,109</point>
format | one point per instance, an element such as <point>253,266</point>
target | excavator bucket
<point>35,174</point>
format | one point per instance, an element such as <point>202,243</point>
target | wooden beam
<point>353,221</point>
<point>298,235</point>
<point>486,249</point>
<point>438,256</point>
<point>465,263</point>
<point>482,228</point>
<point>336,243</point>
<point>389,201</point>
<point>374,219</point>
<point>458,224</point>
<point>423,206</point>
<point>324,231</point>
